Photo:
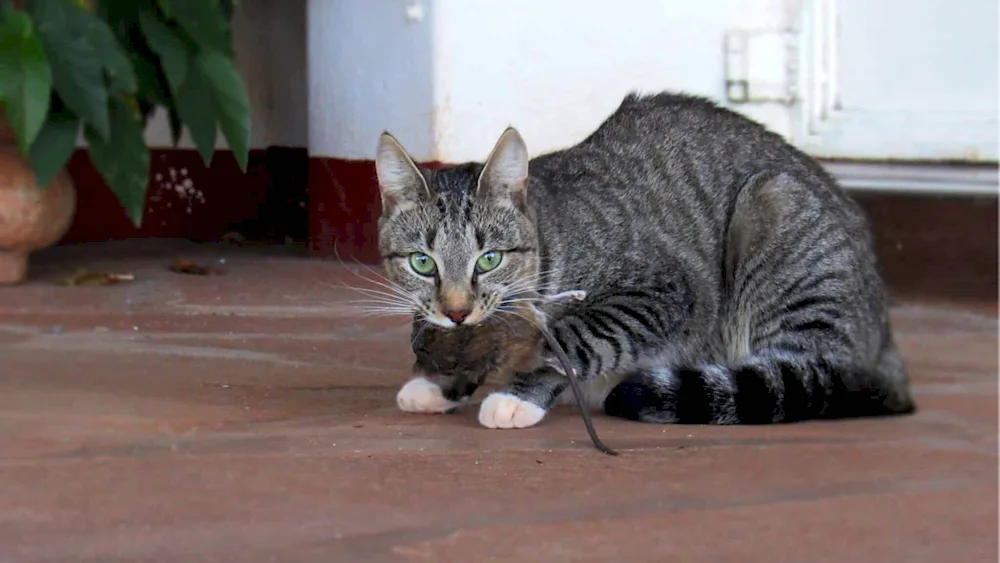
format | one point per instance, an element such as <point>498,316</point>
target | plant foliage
<point>103,67</point>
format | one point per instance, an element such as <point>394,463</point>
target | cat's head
<point>460,243</point>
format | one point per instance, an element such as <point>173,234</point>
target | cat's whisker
<point>367,291</point>
<point>350,268</point>
<point>371,313</point>
<point>534,275</point>
<point>381,297</point>
<point>511,293</point>
<point>510,301</point>
<point>392,288</point>
<point>423,327</point>
<point>395,305</point>
<point>525,281</point>
<point>541,274</point>
<point>403,307</point>
<point>381,300</point>
<point>377,293</point>
<point>377,307</point>
<point>505,321</point>
<point>518,292</point>
<point>394,294</point>
<point>369,304</point>
<point>522,316</point>
<point>518,286</point>
<point>379,279</point>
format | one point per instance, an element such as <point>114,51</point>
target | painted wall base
<point>344,207</point>
<point>929,245</point>
<point>186,199</point>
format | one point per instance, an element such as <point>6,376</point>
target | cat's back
<point>671,153</point>
<point>657,119</point>
<point>687,137</point>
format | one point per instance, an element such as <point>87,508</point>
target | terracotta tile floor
<point>245,418</point>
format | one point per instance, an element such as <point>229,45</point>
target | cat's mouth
<point>454,319</point>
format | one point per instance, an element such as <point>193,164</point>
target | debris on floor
<point>86,277</point>
<point>183,266</point>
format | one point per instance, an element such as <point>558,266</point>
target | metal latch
<point>761,66</point>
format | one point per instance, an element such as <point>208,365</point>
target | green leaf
<point>170,48</point>
<point>152,85</point>
<point>77,72</point>
<point>122,17</point>
<point>117,65</point>
<point>25,78</point>
<point>167,7</point>
<point>55,144</point>
<point>6,7</point>
<point>203,20</point>
<point>83,50</point>
<point>146,109</point>
<point>176,126</point>
<point>123,159</point>
<point>228,8</point>
<point>232,104</point>
<point>195,108</point>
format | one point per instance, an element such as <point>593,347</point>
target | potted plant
<point>100,69</point>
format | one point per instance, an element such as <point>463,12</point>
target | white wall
<point>370,68</point>
<point>446,76</point>
<point>556,69</point>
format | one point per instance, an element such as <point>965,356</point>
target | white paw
<point>423,395</point>
<point>503,410</point>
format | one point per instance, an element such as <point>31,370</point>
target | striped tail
<point>764,389</point>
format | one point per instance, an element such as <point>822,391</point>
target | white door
<point>890,80</point>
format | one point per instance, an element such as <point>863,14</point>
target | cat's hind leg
<point>804,324</point>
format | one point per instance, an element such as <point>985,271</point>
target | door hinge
<point>761,66</point>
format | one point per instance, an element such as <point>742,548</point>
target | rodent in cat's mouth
<point>498,347</point>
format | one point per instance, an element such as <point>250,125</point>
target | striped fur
<point>729,279</point>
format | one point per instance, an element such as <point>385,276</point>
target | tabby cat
<point>728,279</point>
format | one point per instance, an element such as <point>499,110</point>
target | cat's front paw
<point>503,410</point>
<point>423,395</point>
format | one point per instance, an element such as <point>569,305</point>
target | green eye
<point>422,264</point>
<point>488,261</point>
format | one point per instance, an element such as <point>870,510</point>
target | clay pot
<point>31,218</point>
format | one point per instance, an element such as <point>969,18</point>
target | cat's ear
<point>400,183</point>
<point>504,178</point>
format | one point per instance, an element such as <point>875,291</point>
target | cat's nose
<point>457,316</point>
